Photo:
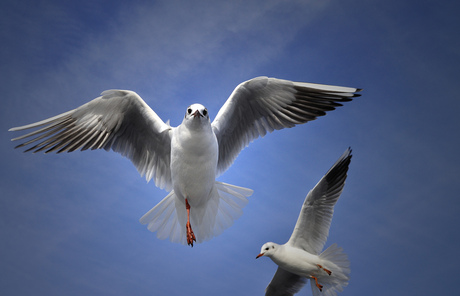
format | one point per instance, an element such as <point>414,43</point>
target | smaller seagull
<point>299,259</point>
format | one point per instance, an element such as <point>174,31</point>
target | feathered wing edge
<point>261,105</point>
<point>285,283</point>
<point>168,217</point>
<point>312,227</point>
<point>339,265</point>
<point>119,120</point>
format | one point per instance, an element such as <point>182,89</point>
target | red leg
<point>326,270</point>
<point>190,235</point>
<point>320,287</point>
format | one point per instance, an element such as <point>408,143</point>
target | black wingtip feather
<point>340,169</point>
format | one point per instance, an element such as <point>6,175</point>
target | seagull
<point>185,160</point>
<point>299,259</point>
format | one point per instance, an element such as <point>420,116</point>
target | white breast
<point>194,155</point>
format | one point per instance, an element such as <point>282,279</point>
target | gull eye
<point>205,112</point>
<point>189,110</point>
<point>266,249</point>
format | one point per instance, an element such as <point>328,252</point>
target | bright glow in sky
<point>69,223</point>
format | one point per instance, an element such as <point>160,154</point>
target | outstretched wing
<point>285,283</point>
<point>263,104</point>
<point>312,227</point>
<point>119,120</point>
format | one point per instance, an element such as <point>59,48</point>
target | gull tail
<point>162,218</point>
<point>337,262</point>
<point>169,216</point>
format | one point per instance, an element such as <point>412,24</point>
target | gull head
<point>268,250</point>
<point>196,111</point>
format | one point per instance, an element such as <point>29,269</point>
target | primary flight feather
<point>185,160</point>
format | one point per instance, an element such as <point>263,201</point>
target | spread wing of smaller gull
<point>185,160</point>
<point>300,260</point>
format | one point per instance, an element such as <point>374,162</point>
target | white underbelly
<point>301,263</point>
<point>193,170</point>
<point>194,180</point>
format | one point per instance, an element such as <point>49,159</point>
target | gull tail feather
<point>162,219</point>
<point>225,205</point>
<point>337,262</point>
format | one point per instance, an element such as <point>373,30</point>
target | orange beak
<point>260,255</point>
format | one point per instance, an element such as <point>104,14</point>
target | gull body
<point>300,259</point>
<point>185,160</point>
<point>194,156</point>
<point>293,259</point>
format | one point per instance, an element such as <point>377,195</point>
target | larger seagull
<point>186,159</point>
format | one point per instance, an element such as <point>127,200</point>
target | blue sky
<point>69,223</point>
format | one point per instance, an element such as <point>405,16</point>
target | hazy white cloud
<point>165,40</point>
